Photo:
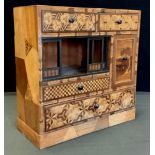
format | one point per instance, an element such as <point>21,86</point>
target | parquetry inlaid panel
<point>61,115</point>
<point>74,88</point>
<point>61,22</point>
<point>118,22</point>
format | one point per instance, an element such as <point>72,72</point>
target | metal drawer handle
<point>71,20</point>
<point>96,105</point>
<point>125,58</point>
<point>80,87</point>
<point>119,22</point>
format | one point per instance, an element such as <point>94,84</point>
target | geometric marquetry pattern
<point>28,47</point>
<point>110,22</point>
<point>69,89</point>
<point>59,22</point>
<point>68,113</point>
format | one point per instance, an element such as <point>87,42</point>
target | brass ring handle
<point>119,22</point>
<point>71,20</point>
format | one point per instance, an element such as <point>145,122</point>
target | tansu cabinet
<point>76,70</point>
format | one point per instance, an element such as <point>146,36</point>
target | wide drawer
<point>64,22</point>
<point>75,111</point>
<point>109,22</point>
<point>75,88</point>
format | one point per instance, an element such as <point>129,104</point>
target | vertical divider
<point>102,53</point>
<point>92,51</point>
<point>106,53</point>
<point>88,40</point>
<point>60,55</point>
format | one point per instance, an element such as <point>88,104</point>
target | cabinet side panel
<point>21,86</point>
<point>27,75</point>
<point>25,27</point>
<point>137,47</point>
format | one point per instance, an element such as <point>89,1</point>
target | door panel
<point>123,60</point>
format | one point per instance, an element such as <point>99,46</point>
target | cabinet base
<point>76,130</point>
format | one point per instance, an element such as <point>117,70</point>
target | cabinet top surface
<point>71,8</point>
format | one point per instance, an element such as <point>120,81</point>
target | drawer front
<point>118,22</point>
<point>75,88</point>
<point>64,22</point>
<point>68,113</point>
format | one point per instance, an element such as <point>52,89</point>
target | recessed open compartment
<point>74,56</point>
<point>98,51</point>
<point>51,58</point>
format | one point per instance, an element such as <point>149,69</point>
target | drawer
<point>75,88</point>
<point>75,111</point>
<point>64,22</point>
<point>109,22</point>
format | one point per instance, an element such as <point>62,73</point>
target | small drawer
<point>75,88</point>
<point>75,111</point>
<point>109,22</point>
<point>67,22</point>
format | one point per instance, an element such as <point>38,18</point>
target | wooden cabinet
<point>75,70</point>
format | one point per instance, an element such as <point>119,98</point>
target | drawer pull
<point>71,20</point>
<point>119,22</point>
<point>96,106</point>
<point>80,87</point>
<point>125,58</point>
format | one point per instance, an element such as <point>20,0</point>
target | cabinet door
<point>123,60</point>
